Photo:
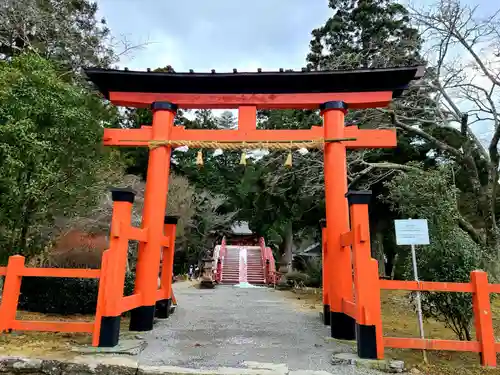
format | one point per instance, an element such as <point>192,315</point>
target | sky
<point>222,34</point>
<point>216,34</point>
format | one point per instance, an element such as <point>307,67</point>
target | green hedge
<point>64,296</point>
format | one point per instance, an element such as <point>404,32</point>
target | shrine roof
<point>276,82</point>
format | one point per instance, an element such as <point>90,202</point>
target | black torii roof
<point>277,82</point>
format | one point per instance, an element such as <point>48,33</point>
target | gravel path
<point>226,326</point>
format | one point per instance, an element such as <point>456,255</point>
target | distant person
<point>197,272</point>
<point>190,272</point>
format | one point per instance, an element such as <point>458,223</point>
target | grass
<point>45,344</point>
<point>53,344</point>
<point>400,320</point>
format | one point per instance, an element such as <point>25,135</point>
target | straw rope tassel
<point>243,160</point>
<point>199,159</point>
<point>288,162</point>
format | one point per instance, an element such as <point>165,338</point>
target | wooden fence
<point>365,307</point>
<point>111,302</point>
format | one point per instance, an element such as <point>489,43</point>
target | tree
<point>376,34</point>
<point>51,160</point>
<point>451,254</point>
<point>64,31</point>
<point>226,120</point>
<point>463,73</point>
<point>364,34</point>
<point>208,219</point>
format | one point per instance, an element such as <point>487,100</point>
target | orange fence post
<point>11,290</point>
<point>324,273</point>
<point>482,317</point>
<point>155,203</point>
<point>376,308</point>
<point>164,306</point>
<point>364,283</point>
<point>337,221</point>
<point>116,267</point>
<point>101,299</point>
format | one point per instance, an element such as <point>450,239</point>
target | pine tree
<point>364,34</point>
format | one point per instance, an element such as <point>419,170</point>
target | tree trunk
<point>487,207</point>
<point>394,263</point>
<point>378,252</point>
<point>286,250</point>
<point>25,226</point>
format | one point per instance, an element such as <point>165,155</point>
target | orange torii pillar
<point>155,204</point>
<point>164,305</point>
<point>339,266</point>
<point>324,273</point>
<point>116,267</point>
<point>366,289</point>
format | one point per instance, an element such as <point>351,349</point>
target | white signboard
<point>412,232</point>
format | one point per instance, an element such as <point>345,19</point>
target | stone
<point>390,366</point>
<point>20,365</point>
<point>396,366</point>
<point>51,367</point>
<point>415,371</point>
<point>130,347</point>
<point>277,367</point>
<point>245,371</point>
<point>172,370</point>
<point>78,368</point>
<point>99,365</point>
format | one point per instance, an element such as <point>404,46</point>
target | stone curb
<point>390,366</point>
<point>96,365</point>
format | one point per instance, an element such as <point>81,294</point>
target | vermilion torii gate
<point>331,91</point>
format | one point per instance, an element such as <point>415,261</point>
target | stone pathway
<point>229,327</point>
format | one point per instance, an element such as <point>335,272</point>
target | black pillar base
<point>343,327</point>
<point>110,331</point>
<point>326,315</point>
<point>163,308</point>
<point>141,318</point>
<point>366,341</point>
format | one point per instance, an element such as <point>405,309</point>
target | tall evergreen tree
<point>364,34</point>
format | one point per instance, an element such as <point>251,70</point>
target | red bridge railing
<point>268,262</point>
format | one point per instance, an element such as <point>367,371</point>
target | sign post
<point>414,232</point>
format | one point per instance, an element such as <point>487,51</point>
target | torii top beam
<point>364,88</point>
<point>249,92</point>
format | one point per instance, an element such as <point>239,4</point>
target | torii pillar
<point>338,264</point>
<point>155,204</point>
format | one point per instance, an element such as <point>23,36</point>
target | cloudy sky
<point>224,34</point>
<point>216,34</point>
<point>220,34</point>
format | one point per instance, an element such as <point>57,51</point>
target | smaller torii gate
<point>333,92</point>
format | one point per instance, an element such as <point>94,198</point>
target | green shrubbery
<point>309,275</point>
<point>451,254</point>
<point>63,295</point>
